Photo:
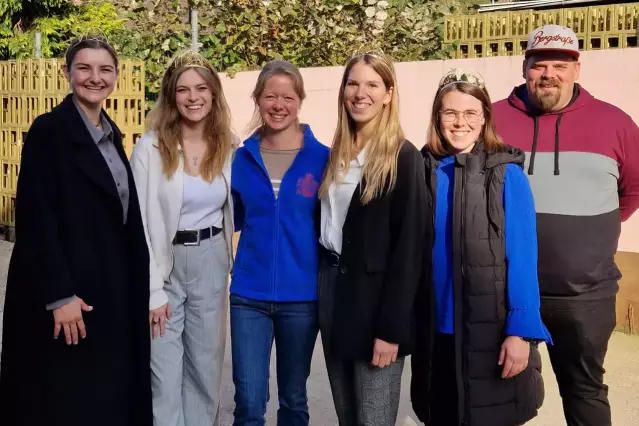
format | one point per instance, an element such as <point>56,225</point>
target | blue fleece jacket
<point>277,257</point>
<point>524,319</point>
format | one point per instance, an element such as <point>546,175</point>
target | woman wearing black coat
<point>76,326</point>
<point>373,223</point>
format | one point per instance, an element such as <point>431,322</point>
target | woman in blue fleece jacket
<point>476,361</point>
<point>275,179</point>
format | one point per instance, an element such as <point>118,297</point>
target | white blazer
<point>160,205</point>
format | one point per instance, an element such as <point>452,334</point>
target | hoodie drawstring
<point>531,166</point>
<point>557,123</point>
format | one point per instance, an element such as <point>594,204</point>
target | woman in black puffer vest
<point>477,316</point>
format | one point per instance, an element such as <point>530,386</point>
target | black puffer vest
<point>485,399</point>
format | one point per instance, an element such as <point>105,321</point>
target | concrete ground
<point>622,365</point>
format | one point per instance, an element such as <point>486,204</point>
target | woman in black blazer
<point>373,224</point>
<point>76,324</point>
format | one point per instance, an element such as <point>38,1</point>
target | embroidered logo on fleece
<point>307,186</point>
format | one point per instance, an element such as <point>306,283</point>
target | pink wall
<point>610,75</point>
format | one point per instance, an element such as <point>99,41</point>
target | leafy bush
<point>238,35</point>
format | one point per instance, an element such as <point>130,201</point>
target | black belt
<point>193,237</point>
<point>331,257</point>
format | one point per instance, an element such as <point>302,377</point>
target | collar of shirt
<point>353,174</point>
<point>360,159</point>
<point>96,134</point>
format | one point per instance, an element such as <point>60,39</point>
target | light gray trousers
<point>187,362</point>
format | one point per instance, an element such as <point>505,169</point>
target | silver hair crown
<point>189,59</point>
<point>92,36</point>
<point>461,75</point>
<point>375,52</point>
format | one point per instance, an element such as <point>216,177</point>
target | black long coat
<point>71,240</point>
<point>381,264</point>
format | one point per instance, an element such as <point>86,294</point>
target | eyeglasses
<point>450,115</point>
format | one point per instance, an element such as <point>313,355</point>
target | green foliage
<point>58,30</point>
<point>8,8</point>
<point>244,34</point>
<point>21,12</point>
<point>18,14</point>
<point>239,35</point>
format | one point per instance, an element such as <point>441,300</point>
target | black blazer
<point>71,240</point>
<point>381,263</point>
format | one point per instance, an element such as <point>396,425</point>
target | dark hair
<point>89,43</point>
<point>491,138</point>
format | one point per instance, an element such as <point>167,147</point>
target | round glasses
<point>471,116</point>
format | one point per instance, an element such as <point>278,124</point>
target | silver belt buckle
<point>197,240</point>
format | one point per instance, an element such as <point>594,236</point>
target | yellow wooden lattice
<point>504,33</point>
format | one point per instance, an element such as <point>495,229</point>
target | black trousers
<point>580,330</point>
<point>443,400</point>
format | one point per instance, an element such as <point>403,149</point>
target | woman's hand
<point>69,318</point>
<point>157,320</point>
<point>384,353</point>
<point>514,356</point>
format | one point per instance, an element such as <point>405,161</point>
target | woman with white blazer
<point>182,169</point>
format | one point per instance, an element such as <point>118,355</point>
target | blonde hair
<point>271,69</point>
<point>436,142</point>
<point>380,170</point>
<point>165,118</point>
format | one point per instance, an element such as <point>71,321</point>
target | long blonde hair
<point>165,118</point>
<point>380,170</point>
<point>271,69</point>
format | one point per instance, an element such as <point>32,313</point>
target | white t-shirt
<point>202,203</point>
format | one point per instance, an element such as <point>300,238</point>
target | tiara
<point>93,36</point>
<point>461,75</point>
<point>190,59</point>
<point>375,52</point>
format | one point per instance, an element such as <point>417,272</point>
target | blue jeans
<point>255,324</point>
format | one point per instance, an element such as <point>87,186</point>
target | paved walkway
<point>622,366</point>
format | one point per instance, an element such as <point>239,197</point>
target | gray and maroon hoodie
<point>583,166</point>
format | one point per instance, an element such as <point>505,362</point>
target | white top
<point>335,206</point>
<point>202,203</point>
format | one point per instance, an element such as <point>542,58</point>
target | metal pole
<point>38,45</point>
<point>194,28</point>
